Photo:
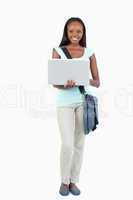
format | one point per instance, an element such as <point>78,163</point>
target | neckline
<point>77,57</point>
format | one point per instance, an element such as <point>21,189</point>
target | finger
<point>67,83</point>
<point>73,83</point>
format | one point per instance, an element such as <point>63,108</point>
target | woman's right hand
<point>70,84</point>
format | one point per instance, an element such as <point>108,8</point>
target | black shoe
<point>64,189</point>
<point>74,189</point>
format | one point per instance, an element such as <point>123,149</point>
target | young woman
<point>70,106</point>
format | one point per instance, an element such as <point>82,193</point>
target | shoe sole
<point>63,194</point>
<point>74,193</point>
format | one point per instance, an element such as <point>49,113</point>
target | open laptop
<point>61,70</point>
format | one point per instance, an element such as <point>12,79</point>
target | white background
<point>29,135</point>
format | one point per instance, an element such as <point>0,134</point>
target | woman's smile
<point>75,39</point>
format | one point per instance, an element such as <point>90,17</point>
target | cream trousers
<point>70,122</point>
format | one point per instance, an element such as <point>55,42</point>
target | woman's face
<point>75,32</point>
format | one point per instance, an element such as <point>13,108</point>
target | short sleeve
<point>60,52</point>
<point>90,52</point>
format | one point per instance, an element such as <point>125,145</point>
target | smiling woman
<point>70,105</point>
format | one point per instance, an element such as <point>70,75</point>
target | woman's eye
<point>78,31</point>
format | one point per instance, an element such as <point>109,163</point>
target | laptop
<point>61,70</point>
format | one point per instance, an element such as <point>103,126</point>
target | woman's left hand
<point>70,84</point>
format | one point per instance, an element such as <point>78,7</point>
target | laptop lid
<point>61,70</point>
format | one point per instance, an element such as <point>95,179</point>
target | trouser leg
<point>66,121</point>
<point>79,140</point>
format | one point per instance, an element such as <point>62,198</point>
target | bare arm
<point>94,70</point>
